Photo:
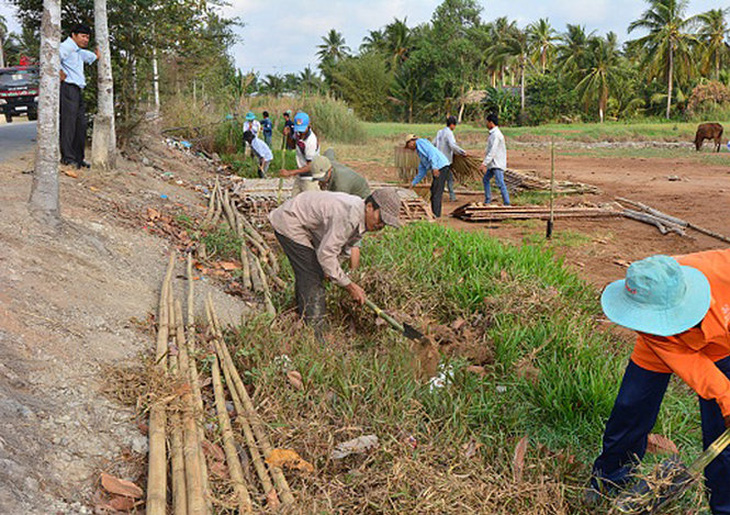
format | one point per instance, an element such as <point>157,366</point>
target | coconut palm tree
<point>397,40</point>
<point>542,36</point>
<point>373,42</point>
<point>273,84</point>
<point>668,45</point>
<point>333,48</point>
<point>309,82</point>
<point>514,50</point>
<point>602,73</point>
<point>573,48</point>
<point>712,33</point>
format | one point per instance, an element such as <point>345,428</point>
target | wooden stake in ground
<point>250,413</point>
<point>177,460</point>
<point>549,231</point>
<point>157,466</point>
<point>229,445</point>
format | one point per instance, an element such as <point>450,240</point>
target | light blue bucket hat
<point>250,116</point>
<point>659,296</point>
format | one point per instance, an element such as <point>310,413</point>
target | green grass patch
<point>247,166</point>
<point>551,373</point>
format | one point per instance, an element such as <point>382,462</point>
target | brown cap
<point>389,202</point>
<point>320,166</point>
<point>410,137</point>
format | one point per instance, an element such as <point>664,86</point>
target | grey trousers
<point>308,281</point>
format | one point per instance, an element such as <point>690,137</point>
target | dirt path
<point>73,304</point>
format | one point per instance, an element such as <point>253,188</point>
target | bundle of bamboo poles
<point>479,212</point>
<point>176,421</point>
<point>258,261</point>
<point>466,168</point>
<point>406,161</point>
<point>177,425</point>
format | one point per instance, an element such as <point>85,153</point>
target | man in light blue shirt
<point>261,152</point>
<point>72,107</point>
<point>446,143</point>
<point>434,160</point>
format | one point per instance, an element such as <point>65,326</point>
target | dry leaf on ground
<point>71,173</point>
<point>122,487</point>
<point>122,503</point>
<point>476,369</point>
<point>356,445</point>
<point>657,444</point>
<point>518,461</point>
<point>286,458</point>
<point>213,451</point>
<point>295,378</point>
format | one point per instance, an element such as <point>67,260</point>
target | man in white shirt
<point>307,147</point>
<point>446,143</point>
<point>495,161</point>
<point>261,151</point>
<point>72,108</point>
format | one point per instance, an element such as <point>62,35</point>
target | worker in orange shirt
<point>680,308</point>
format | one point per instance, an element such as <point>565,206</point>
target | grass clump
<point>549,373</point>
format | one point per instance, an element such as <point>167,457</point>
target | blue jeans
<point>498,175</point>
<point>450,186</point>
<point>267,139</point>
<point>632,419</point>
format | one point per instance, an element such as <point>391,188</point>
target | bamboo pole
<point>256,282</point>
<point>218,207</point>
<point>195,383</point>
<point>270,309</point>
<point>246,267</point>
<point>272,498</point>
<point>192,447</point>
<point>177,460</point>
<point>211,203</point>
<point>157,467</point>
<point>229,446</point>
<point>250,412</point>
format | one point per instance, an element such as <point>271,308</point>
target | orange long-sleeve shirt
<point>691,354</point>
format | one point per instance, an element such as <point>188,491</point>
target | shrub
<point>708,96</point>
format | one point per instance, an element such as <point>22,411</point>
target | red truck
<point>19,92</point>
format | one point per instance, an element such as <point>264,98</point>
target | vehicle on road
<point>19,92</point>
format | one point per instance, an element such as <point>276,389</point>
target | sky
<point>281,36</point>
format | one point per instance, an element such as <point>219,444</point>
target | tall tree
<point>373,42</point>
<point>515,49</point>
<point>572,50</point>
<point>3,37</point>
<point>713,31</point>
<point>333,48</point>
<point>397,42</point>
<point>602,73</point>
<point>44,203</point>
<point>542,38</point>
<point>668,45</point>
<point>104,142</point>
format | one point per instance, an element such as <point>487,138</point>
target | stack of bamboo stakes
<point>406,161</point>
<point>479,212</point>
<point>177,425</point>
<point>258,261</point>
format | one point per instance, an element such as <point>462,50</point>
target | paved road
<point>16,138</point>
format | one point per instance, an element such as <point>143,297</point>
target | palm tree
<point>373,42</point>
<point>571,53</point>
<point>713,31</point>
<point>542,37</point>
<point>309,82</point>
<point>602,73</point>
<point>333,48</point>
<point>668,45</point>
<point>273,84</point>
<point>514,49</point>
<point>397,40</point>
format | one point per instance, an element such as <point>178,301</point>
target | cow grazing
<point>708,131</point>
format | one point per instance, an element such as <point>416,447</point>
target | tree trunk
<point>2,54</point>
<point>670,79</point>
<point>156,81</point>
<point>522,87</point>
<point>103,143</point>
<point>44,203</point>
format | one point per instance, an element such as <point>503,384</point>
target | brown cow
<point>708,131</point>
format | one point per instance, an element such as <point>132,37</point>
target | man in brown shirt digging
<point>318,228</point>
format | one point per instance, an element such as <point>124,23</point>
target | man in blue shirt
<point>268,128</point>
<point>434,160</point>
<point>72,107</point>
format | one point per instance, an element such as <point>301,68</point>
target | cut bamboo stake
<point>177,460</point>
<point>270,309</point>
<point>230,217</point>
<point>250,413</point>
<point>246,268</point>
<point>192,447</point>
<point>218,207</point>
<point>229,446</point>
<point>211,203</point>
<point>195,382</point>
<point>157,467</point>
<point>256,282</point>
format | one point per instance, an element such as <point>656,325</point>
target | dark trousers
<point>437,189</point>
<point>633,417</point>
<point>73,124</point>
<point>308,281</point>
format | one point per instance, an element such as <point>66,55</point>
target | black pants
<point>437,189</point>
<point>308,281</point>
<point>73,124</point>
<point>632,419</point>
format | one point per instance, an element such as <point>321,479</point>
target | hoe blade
<point>411,332</point>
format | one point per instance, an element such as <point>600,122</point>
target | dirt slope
<point>71,305</point>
